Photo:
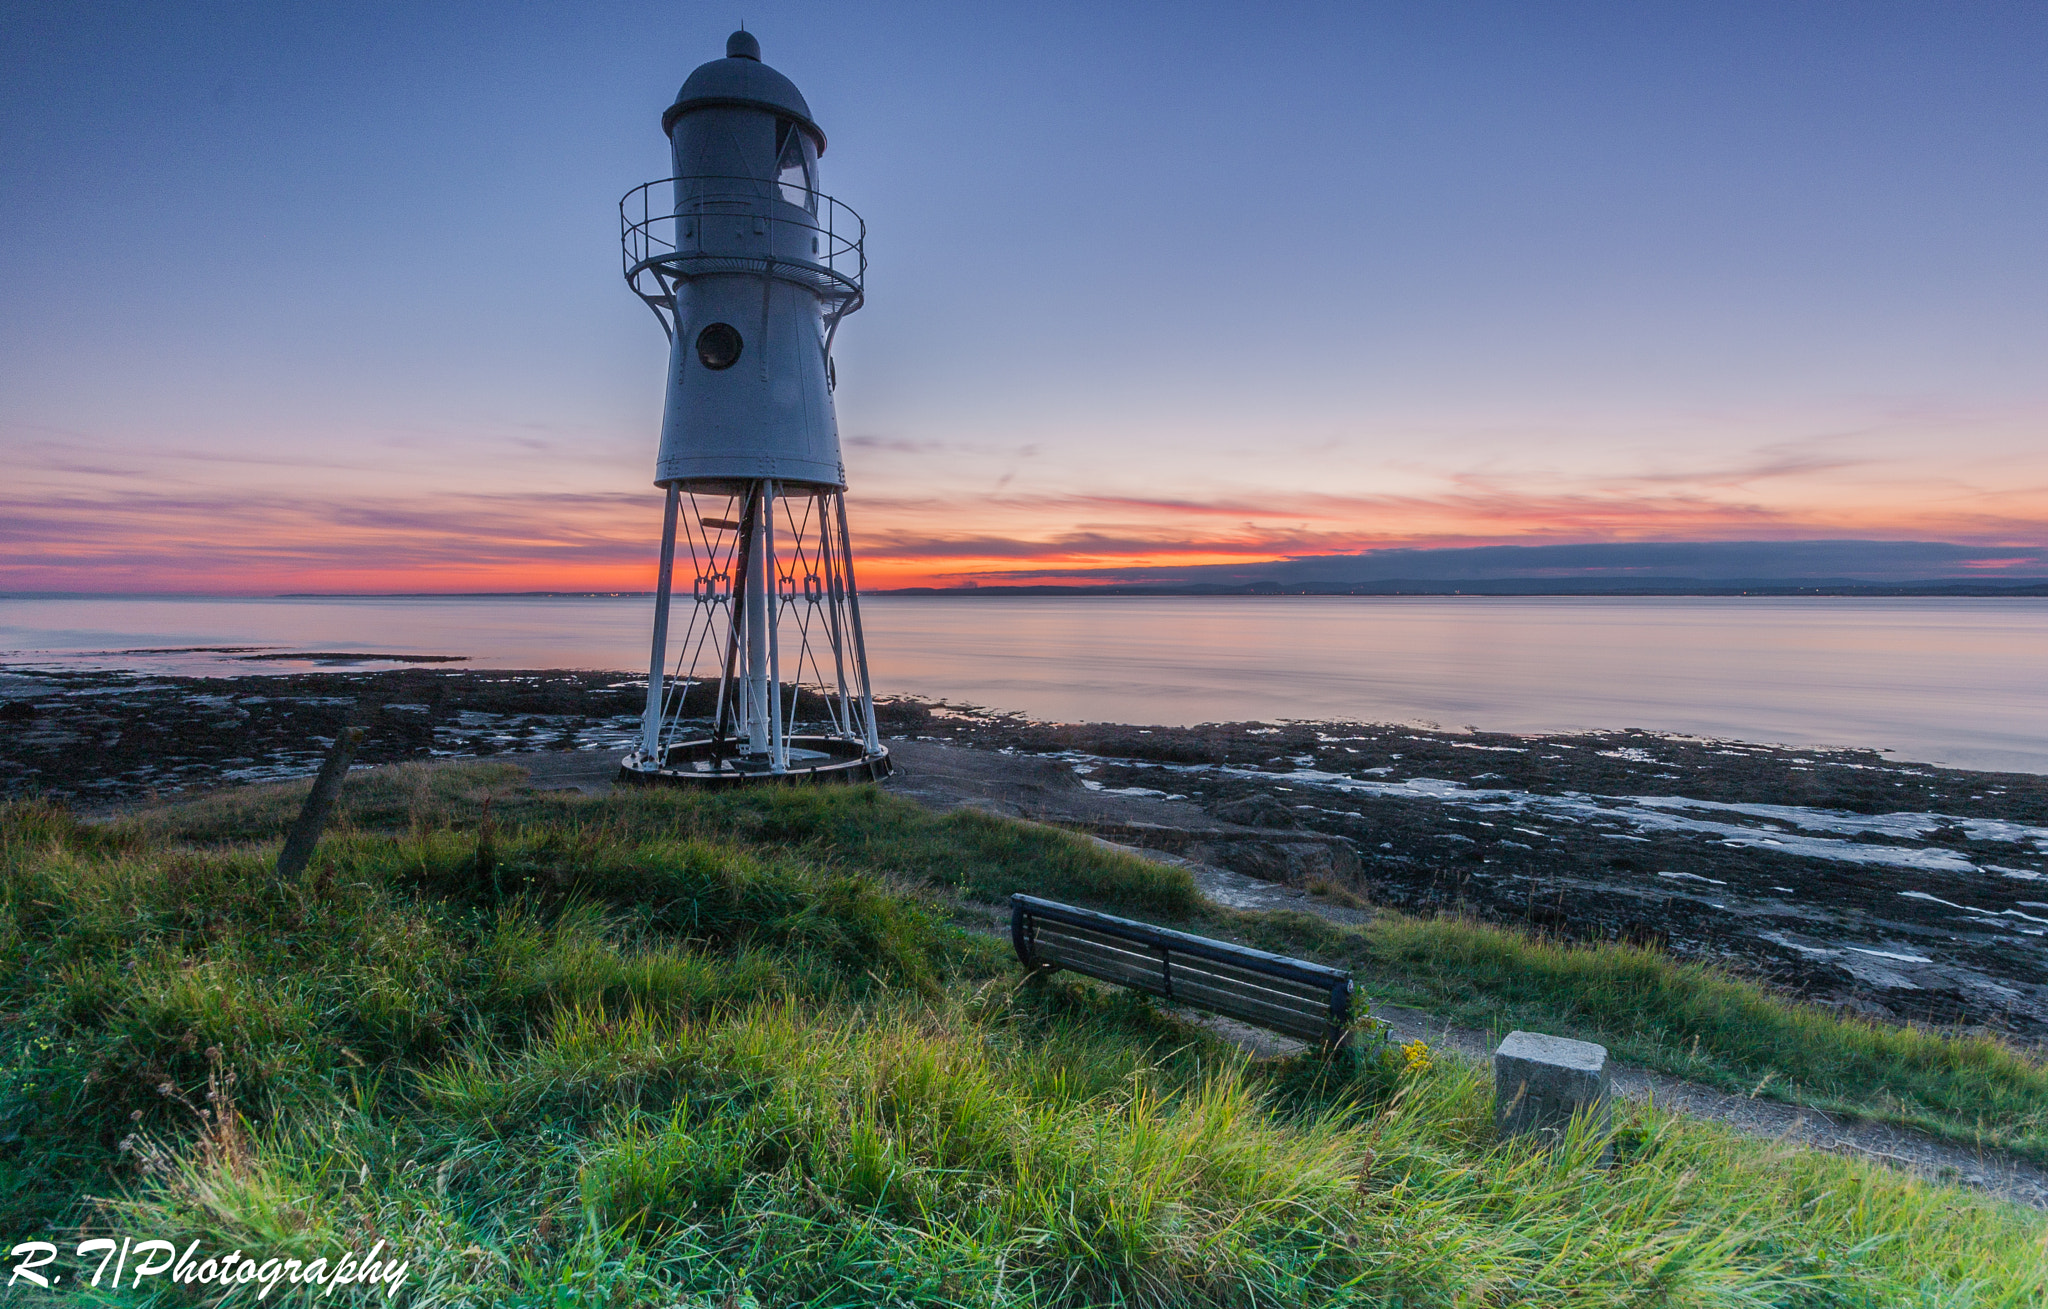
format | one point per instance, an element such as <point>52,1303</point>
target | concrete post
<point>1540,1082</point>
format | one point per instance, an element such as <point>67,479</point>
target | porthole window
<point>719,346</point>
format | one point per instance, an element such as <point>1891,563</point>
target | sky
<point>326,296</point>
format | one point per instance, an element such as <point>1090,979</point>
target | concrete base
<point>1540,1082</point>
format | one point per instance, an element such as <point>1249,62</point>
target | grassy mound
<point>663,1049</point>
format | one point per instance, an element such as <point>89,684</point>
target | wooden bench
<point>1291,996</point>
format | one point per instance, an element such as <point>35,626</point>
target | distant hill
<point>1827,567</point>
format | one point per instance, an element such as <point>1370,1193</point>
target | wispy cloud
<point>277,542</point>
<point>85,513</point>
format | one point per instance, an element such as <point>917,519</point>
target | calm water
<point>1962,682</point>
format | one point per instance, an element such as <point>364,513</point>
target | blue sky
<point>328,295</point>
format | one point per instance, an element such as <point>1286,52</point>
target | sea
<point>1959,682</point>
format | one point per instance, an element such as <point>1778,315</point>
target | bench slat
<point>1107,940</point>
<point>1183,979</point>
<point>1295,1022</point>
<point>1318,991</point>
<point>1245,957</point>
<point>1116,965</point>
<point>1060,934</point>
<point>1283,995</point>
<point>1189,972</point>
<point>1265,983</point>
<point>1275,990</point>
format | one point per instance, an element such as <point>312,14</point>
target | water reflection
<point>1949,681</point>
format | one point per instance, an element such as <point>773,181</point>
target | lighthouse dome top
<point>741,79</point>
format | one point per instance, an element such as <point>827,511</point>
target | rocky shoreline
<point>1898,891</point>
<point>1901,891</point>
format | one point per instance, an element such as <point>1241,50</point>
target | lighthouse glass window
<point>797,169</point>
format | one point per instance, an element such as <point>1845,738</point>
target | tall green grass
<point>668,1050</point>
<point>1686,1019</point>
<point>1699,1023</point>
<point>1680,1018</point>
<point>966,851</point>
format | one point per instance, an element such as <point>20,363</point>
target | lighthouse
<point>759,667</point>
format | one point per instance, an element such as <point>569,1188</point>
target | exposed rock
<point>1292,862</point>
<point>1257,811</point>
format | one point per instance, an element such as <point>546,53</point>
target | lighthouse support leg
<point>835,597</point>
<point>860,645</point>
<point>760,584</point>
<point>778,746</point>
<point>732,697</point>
<point>650,721</point>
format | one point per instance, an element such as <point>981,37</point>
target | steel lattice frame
<point>766,565</point>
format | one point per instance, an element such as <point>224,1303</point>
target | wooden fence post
<point>305,833</point>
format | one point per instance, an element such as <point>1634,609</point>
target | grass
<point>1686,1019</point>
<point>664,1050</point>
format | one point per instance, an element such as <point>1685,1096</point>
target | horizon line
<point>1504,588</point>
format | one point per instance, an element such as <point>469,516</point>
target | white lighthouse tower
<point>750,270</point>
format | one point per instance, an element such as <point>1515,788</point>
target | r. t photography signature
<point>35,1262</point>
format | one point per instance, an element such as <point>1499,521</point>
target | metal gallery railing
<point>700,226</point>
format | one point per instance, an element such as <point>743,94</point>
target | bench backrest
<point>1267,990</point>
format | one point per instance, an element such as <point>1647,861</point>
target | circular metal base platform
<point>726,763</point>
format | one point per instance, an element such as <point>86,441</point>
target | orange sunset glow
<point>77,529</point>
